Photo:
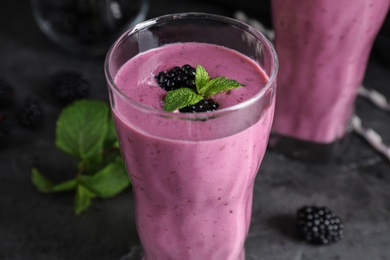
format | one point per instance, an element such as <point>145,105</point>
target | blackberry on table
<point>7,94</point>
<point>205,105</point>
<point>5,125</point>
<point>68,86</point>
<point>319,225</point>
<point>30,113</point>
<point>177,77</point>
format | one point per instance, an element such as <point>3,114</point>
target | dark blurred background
<point>36,226</point>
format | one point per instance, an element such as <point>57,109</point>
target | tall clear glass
<point>323,47</point>
<point>193,188</point>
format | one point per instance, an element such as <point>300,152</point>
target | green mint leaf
<point>46,186</point>
<point>81,129</point>
<point>41,182</point>
<point>65,186</point>
<point>179,98</point>
<point>205,88</point>
<point>218,85</point>
<point>108,182</point>
<point>111,139</point>
<point>116,144</point>
<point>201,78</point>
<point>82,199</point>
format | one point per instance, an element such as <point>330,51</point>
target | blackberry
<point>177,77</point>
<point>68,86</point>
<point>5,125</point>
<point>7,94</point>
<point>30,113</point>
<point>319,225</point>
<point>205,105</point>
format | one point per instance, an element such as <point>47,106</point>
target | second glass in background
<point>323,48</point>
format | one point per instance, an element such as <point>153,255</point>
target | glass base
<point>308,151</point>
<point>134,254</point>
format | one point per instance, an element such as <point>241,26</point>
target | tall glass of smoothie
<point>192,172</point>
<point>323,47</point>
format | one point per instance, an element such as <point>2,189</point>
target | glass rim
<point>194,15</point>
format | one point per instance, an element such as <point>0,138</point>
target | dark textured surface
<point>43,227</point>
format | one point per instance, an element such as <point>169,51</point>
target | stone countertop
<point>44,227</point>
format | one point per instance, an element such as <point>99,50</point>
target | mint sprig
<point>218,85</point>
<point>85,130</point>
<point>179,98</point>
<point>201,78</point>
<point>205,88</point>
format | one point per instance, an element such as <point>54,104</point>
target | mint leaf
<point>205,88</point>
<point>179,98</point>
<point>46,186</point>
<point>201,78</point>
<point>82,199</point>
<point>81,129</point>
<point>108,182</point>
<point>111,139</point>
<point>86,131</point>
<point>218,85</point>
<point>65,186</point>
<point>41,182</point>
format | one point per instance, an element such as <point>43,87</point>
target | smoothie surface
<point>136,78</point>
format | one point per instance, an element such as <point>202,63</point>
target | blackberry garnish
<point>5,125</point>
<point>190,90</point>
<point>319,225</point>
<point>68,86</point>
<point>30,113</point>
<point>177,77</point>
<point>204,105</point>
<point>7,94</point>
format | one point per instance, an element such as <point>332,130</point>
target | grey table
<point>44,227</point>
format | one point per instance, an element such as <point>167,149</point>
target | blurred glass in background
<point>87,27</point>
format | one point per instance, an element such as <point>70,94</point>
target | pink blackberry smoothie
<point>323,48</point>
<point>193,179</point>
